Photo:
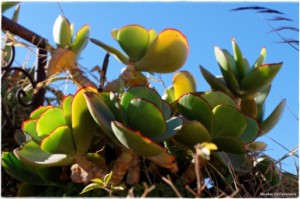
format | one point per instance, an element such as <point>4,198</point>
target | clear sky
<point>205,24</point>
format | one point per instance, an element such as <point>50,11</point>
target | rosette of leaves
<point>138,122</point>
<point>148,51</point>
<point>213,117</point>
<point>58,134</point>
<point>248,84</point>
<point>68,49</point>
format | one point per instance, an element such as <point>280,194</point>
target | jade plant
<point>118,120</point>
<point>147,51</point>
<point>249,86</point>
<point>179,133</point>
<point>57,136</point>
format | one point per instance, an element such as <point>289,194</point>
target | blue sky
<point>205,24</point>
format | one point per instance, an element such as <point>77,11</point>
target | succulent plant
<point>148,51</point>
<point>138,122</point>
<point>58,134</point>
<point>249,86</point>
<point>68,50</point>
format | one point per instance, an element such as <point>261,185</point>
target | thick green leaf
<point>215,98</point>
<point>272,119</point>
<point>101,114</point>
<point>260,102</point>
<point>241,163</point>
<point>31,153</point>
<point>195,107</point>
<point>83,124</point>
<point>29,127</point>
<point>24,172</point>
<point>228,122</point>
<point>226,70</point>
<point>229,144</point>
<point>152,36</point>
<point>261,58</point>
<point>232,63</point>
<point>116,53</point>
<point>81,40</point>
<point>260,77</point>
<point>215,83</point>
<point>37,112</point>
<point>134,141</point>
<point>169,94</point>
<point>183,82</point>
<point>91,186</point>
<point>167,53</point>
<point>141,92</point>
<point>62,32</point>
<point>113,103</point>
<point>67,107</point>
<point>192,133</point>
<point>60,141</point>
<point>134,40</point>
<point>145,117</point>
<point>174,124</point>
<point>239,60</point>
<point>251,132</point>
<point>50,120</point>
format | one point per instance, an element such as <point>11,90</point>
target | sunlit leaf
<point>60,141</point>
<point>83,124</point>
<point>31,153</point>
<point>81,40</point>
<point>183,82</point>
<point>50,120</point>
<point>37,112</point>
<point>226,70</point>
<point>62,32</point>
<point>167,53</point>
<point>67,106</point>
<point>141,92</point>
<point>228,122</point>
<point>134,40</point>
<point>239,60</point>
<point>29,127</point>
<point>215,98</point>
<point>260,77</point>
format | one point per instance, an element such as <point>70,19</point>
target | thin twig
<point>147,190</point>
<point>170,183</point>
